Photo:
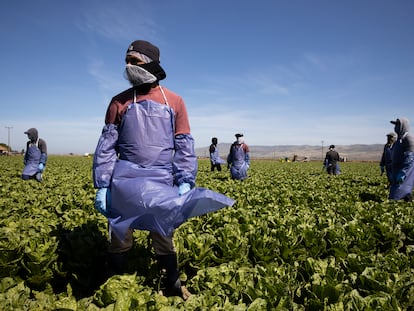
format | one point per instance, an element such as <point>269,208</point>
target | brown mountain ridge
<point>357,152</point>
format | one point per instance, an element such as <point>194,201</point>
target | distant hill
<point>314,153</point>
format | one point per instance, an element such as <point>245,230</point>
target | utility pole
<point>322,149</point>
<point>8,137</point>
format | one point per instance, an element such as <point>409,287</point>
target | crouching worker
<point>35,156</point>
<point>238,159</point>
<point>145,167</point>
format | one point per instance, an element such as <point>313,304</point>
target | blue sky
<point>281,72</point>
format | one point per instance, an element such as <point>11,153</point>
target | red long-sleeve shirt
<point>120,102</point>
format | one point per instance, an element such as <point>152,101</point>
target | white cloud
<point>118,21</point>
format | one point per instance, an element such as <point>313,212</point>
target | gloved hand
<point>382,169</point>
<point>103,200</point>
<point>41,167</point>
<point>400,178</point>
<point>183,188</point>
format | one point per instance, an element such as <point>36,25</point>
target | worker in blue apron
<point>145,167</point>
<point>35,157</point>
<point>402,163</point>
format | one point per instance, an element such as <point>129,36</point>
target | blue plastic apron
<point>32,161</point>
<point>143,192</point>
<point>238,168</point>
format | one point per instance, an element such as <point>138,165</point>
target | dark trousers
<point>213,166</point>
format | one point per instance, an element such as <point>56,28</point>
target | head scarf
<point>32,134</point>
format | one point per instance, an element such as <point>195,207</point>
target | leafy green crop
<point>296,239</point>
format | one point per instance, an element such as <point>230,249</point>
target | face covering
<point>137,75</point>
<point>32,135</point>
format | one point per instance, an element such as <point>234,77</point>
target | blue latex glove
<point>400,177</point>
<point>103,201</point>
<point>41,167</point>
<point>183,188</point>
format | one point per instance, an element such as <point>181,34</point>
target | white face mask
<point>137,75</point>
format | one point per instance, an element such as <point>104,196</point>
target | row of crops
<point>296,239</point>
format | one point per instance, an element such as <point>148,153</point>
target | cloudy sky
<point>282,72</point>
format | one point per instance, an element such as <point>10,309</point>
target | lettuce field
<point>296,239</point>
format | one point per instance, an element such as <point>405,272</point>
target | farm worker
<point>145,167</point>
<point>385,162</point>
<point>331,161</point>
<point>238,159</point>
<point>215,159</point>
<point>402,163</point>
<point>35,157</point>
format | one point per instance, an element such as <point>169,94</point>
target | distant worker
<point>35,156</point>
<point>385,163</point>
<point>331,161</point>
<point>402,163</point>
<point>238,159</point>
<point>215,159</point>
